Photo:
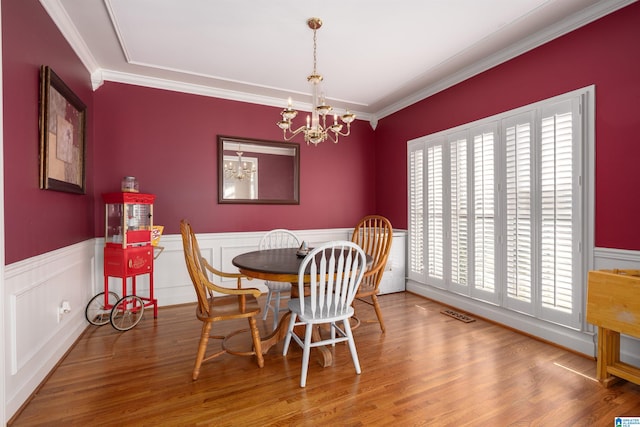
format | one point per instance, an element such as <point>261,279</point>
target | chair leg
<point>306,351</point>
<point>257,344</point>
<point>376,306</point>
<point>276,310</point>
<point>352,345</point>
<point>202,348</point>
<point>332,326</point>
<point>266,305</point>
<point>287,339</point>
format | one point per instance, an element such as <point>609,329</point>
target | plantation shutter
<point>496,209</point>
<point>558,209</point>
<point>518,195</point>
<point>484,209</point>
<point>459,211</point>
<point>416,185</point>
<point>435,215</point>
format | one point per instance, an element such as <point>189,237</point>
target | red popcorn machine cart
<point>130,243</point>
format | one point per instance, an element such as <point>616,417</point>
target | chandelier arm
<point>293,134</point>
<point>345,133</point>
<point>333,137</point>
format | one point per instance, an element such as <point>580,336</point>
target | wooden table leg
<point>277,335</point>
<point>326,357</point>
<point>608,355</point>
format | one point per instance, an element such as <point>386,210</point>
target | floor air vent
<point>458,316</point>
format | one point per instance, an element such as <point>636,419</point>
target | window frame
<point>582,101</point>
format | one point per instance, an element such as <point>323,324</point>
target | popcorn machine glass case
<point>129,219</point>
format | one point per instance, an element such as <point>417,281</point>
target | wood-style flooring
<point>428,369</point>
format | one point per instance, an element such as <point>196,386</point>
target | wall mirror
<point>257,171</point>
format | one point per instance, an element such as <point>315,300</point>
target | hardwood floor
<point>427,369</point>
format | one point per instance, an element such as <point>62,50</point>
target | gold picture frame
<point>62,135</point>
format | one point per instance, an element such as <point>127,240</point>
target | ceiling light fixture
<point>239,170</point>
<point>316,129</point>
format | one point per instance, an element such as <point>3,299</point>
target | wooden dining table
<point>280,265</point>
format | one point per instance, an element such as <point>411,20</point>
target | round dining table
<point>279,265</point>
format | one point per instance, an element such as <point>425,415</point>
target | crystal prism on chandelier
<point>316,130</point>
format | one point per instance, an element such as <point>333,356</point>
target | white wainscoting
<point>394,277</point>
<point>36,338</point>
<point>581,341</point>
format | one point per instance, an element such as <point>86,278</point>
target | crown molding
<point>552,32</point>
<point>69,31</point>
<point>177,86</point>
<point>98,75</point>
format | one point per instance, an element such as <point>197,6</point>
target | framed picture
<point>62,135</point>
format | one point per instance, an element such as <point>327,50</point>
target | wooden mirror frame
<point>264,150</point>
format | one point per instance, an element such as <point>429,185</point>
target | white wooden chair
<point>277,239</point>
<point>330,276</point>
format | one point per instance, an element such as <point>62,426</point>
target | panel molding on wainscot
<point>36,336</point>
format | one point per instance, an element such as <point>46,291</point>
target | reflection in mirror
<point>257,171</point>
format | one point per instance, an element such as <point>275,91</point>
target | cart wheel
<point>127,312</point>
<point>96,312</point>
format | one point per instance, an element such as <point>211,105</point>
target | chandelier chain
<point>314,53</point>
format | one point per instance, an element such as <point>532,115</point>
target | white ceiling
<point>376,56</point>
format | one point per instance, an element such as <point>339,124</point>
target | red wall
<point>168,141</point>
<point>38,221</point>
<point>604,53</point>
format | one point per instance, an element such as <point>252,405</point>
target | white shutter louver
<point>459,213</point>
<point>484,215</point>
<point>557,211</point>
<point>519,250</point>
<point>416,212</point>
<point>435,228</point>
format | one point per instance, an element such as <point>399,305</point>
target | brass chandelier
<point>316,129</point>
<point>239,170</point>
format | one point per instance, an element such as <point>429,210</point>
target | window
<point>495,209</point>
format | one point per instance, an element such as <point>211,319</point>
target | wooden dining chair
<point>277,239</point>
<point>330,275</point>
<point>374,235</point>
<point>218,303</point>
